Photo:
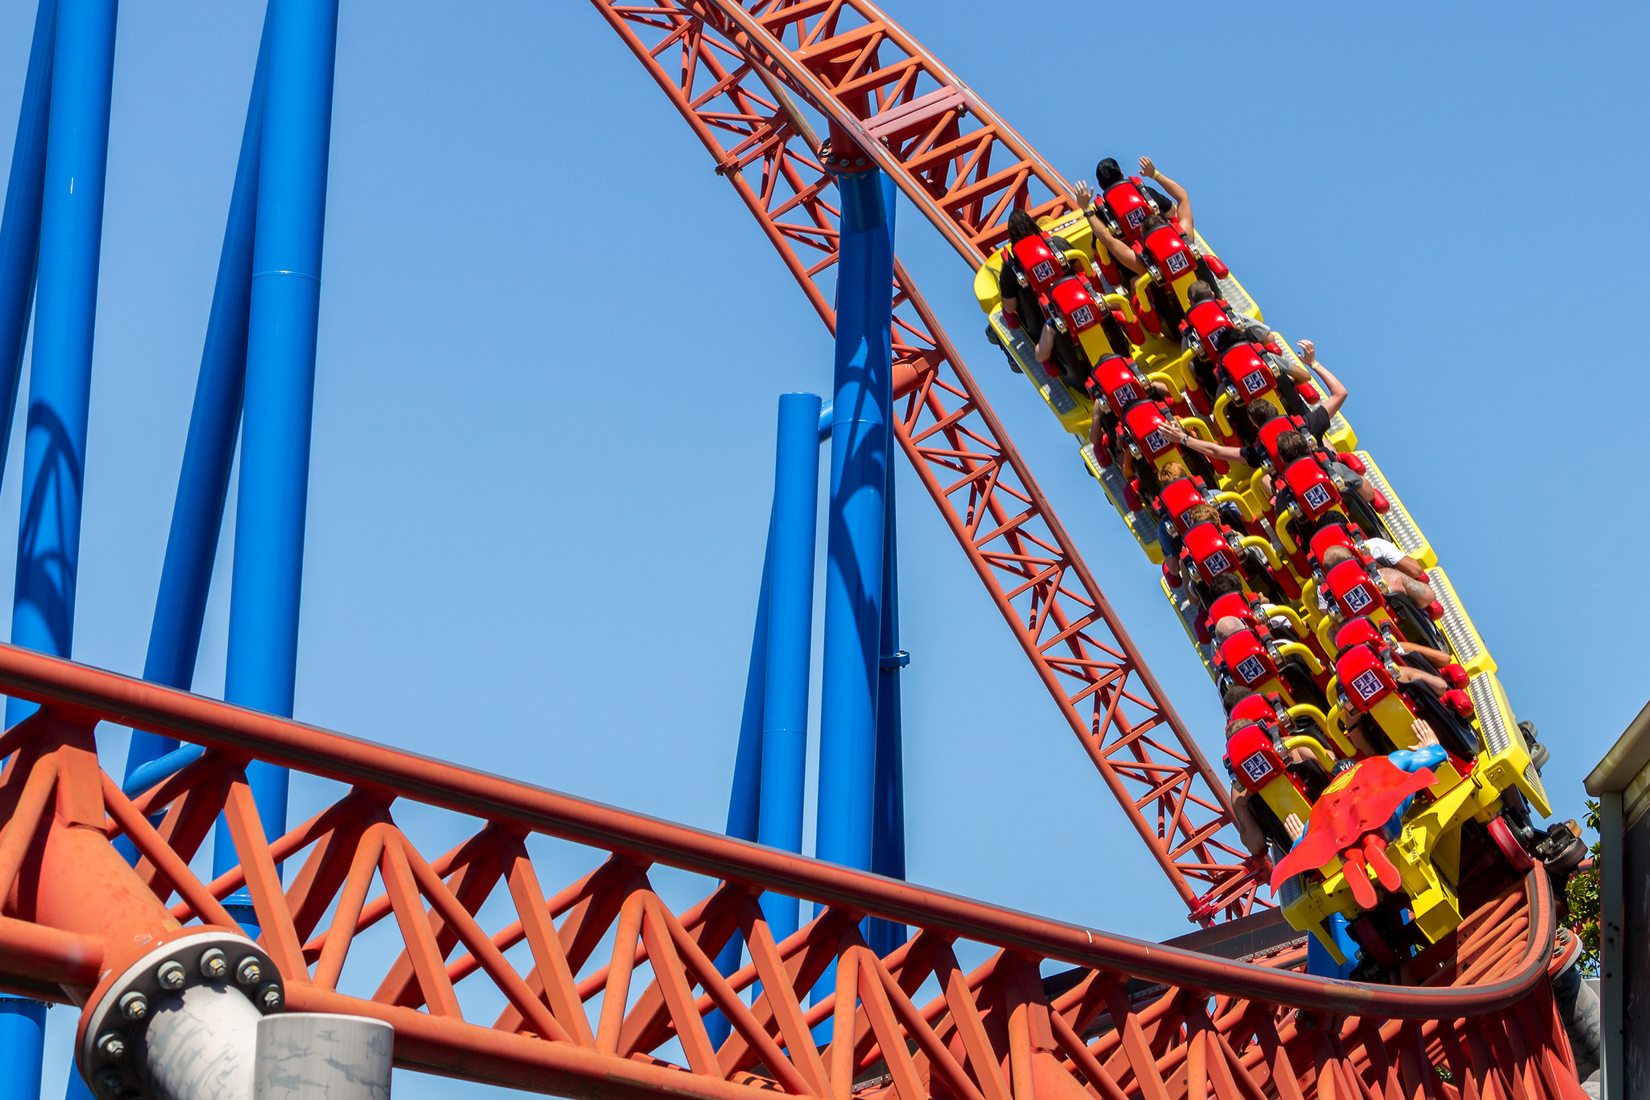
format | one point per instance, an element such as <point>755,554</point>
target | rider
<point>1294,445</point>
<point>1401,572</point>
<point>1021,298</point>
<point>1200,332</point>
<point>1130,203</point>
<point>1318,419</point>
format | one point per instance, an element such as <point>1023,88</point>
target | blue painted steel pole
<point>60,379</point>
<point>859,477</point>
<point>743,807</point>
<point>280,380</point>
<point>20,224</point>
<point>793,533</point>
<point>888,825</point>
<point>209,452</point>
<point>22,1040</point>
<point>862,397</point>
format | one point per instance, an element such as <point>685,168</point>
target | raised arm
<point>1122,253</point>
<point>1335,393</point>
<point>1182,201</point>
<point>1096,427</point>
<point>1217,451</point>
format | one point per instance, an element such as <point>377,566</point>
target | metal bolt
<point>213,965</point>
<point>269,997</point>
<point>112,1045</point>
<point>110,1081</point>
<point>134,1006</point>
<point>249,971</point>
<point>171,975</point>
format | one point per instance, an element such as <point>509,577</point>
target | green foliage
<point>1582,895</point>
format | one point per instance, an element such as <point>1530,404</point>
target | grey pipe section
<point>319,1056</point>
<point>201,1045</point>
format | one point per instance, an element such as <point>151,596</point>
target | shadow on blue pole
<point>888,825</point>
<point>60,379</point>
<point>280,384</point>
<point>20,224</point>
<point>862,396</point>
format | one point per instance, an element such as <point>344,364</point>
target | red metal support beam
<point>608,978</point>
<point>757,83</point>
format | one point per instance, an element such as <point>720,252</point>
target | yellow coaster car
<point>1402,858</point>
<point>1401,846</point>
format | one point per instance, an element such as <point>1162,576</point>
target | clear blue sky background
<point>551,343</point>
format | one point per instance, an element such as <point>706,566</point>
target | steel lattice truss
<point>752,82</point>
<point>567,947</point>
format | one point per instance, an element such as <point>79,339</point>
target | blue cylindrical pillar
<point>209,451</point>
<point>793,532</point>
<point>744,796</point>
<point>280,380</point>
<point>22,1038</point>
<point>20,224</point>
<point>859,475</point>
<point>888,822</point>
<point>60,378</point>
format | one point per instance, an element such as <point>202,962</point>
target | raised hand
<point>1147,168</point>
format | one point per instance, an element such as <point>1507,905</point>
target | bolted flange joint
<point>111,1051</point>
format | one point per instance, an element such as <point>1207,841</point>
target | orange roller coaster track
<point>597,981</point>
<point>566,947</point>
<point>751,81</point>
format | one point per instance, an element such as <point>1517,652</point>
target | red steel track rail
<point>600,986</point>
<point>752,80</point>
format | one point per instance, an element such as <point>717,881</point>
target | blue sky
<point>552,340</point>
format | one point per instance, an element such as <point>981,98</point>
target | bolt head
<point>171,975</point>
<point>213,965</point>
<point>249,971</point>
<point>269,997</point>
<point>112,1045</point>
<point>134,1006</point>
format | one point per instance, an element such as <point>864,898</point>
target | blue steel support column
<point>888,825</point>
<point>22,1042</point>
<point>771,766</point>
<point>859,477</point>
<point>280,380</point>
<point>793,531</point>
<point>60,379</point>
<point>747,767</point>
<point>209,452</point>
<point>20,225</point>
